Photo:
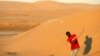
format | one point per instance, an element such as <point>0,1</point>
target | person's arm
<point>74,40</point>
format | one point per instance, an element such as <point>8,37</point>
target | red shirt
<point>73,41</point>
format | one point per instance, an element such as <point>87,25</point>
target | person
<point>72,39</point>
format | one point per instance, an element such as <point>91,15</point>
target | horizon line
<point>55,1</point>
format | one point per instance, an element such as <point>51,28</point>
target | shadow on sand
<point>88,45</point>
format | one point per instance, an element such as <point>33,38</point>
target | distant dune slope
<point>36,13</point>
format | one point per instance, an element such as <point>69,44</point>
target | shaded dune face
<point>49,38</point>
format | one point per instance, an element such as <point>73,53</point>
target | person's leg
<point>75,52</point>
<point>72,52</point>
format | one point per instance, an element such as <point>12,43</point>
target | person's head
<point>68,34</point>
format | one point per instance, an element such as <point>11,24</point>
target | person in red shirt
<point>72,39</point>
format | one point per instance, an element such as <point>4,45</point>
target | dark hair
<point>68,34</point>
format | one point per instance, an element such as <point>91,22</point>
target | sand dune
<point>24,13</point>
<point>20,26</point>
<point>49,38</point>
<point>41,11</point>
<point>36,13</point>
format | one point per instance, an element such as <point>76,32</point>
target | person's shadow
<point>88,45</point>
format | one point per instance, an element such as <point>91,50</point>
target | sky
<point>65,1</point>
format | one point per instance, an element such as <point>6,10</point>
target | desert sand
<point>30,15</point>
<point>49,39</point>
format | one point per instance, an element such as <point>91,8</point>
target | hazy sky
<point>65,1</point>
